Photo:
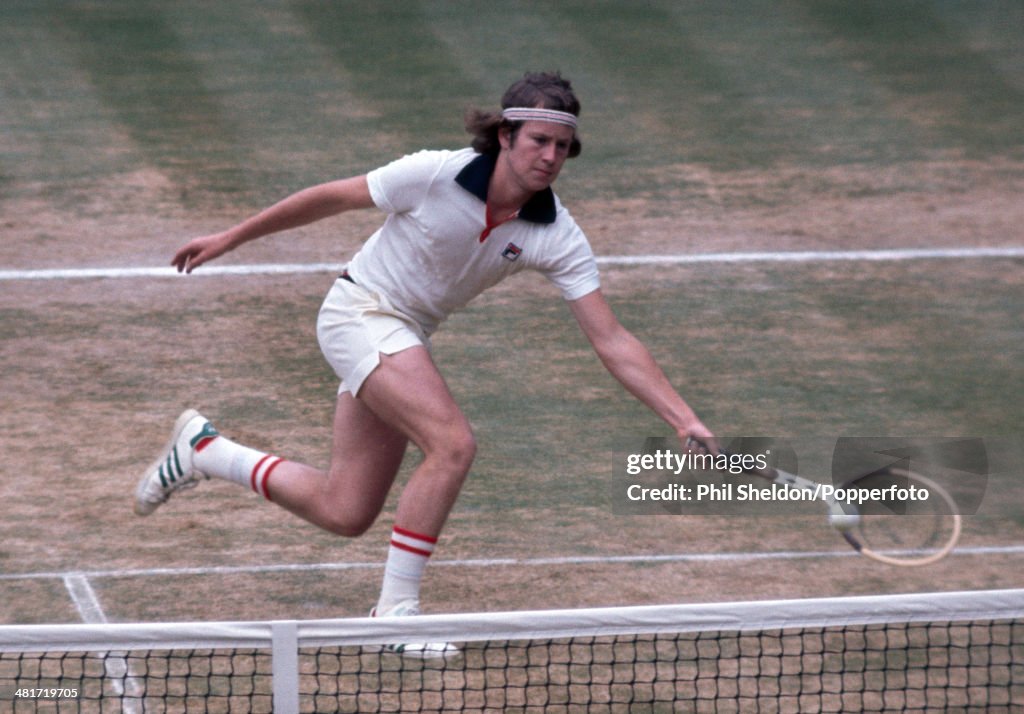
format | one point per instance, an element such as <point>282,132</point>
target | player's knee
<point>466,450</point>
<point>337,512</point>
<point>456,451</point>
<point>348,525</point>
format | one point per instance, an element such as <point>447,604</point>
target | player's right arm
<point>299,209</point>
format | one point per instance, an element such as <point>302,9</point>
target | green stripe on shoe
<point>207,432</point>
<point>177,462</point>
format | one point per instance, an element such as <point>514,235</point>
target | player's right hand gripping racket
<point>913,522</point>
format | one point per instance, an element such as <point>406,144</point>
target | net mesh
<point>940,663</point>
<point>918,667</point>
<point>186,680</point>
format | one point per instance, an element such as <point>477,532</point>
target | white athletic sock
<point>407,559</point>
<point>220,457</point>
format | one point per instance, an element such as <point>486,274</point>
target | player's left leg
<point>346,499</point>
<point>366,456</point>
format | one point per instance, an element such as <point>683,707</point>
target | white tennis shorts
<point>356,326</point>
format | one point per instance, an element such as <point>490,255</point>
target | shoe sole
<point>143,507</point>
<point>423,655</point>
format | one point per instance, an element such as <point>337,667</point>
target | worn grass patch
<point>886,349</point>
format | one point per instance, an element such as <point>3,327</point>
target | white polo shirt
<point>428,257</point>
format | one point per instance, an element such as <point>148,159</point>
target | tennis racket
<point>911,521</point>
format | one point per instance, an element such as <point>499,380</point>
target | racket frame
<point>846,518</point>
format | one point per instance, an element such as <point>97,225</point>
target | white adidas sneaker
<point>173,469</point>
<point>417,650</point>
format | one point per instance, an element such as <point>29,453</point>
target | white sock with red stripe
<point>407,559</point>
<point>222,458</point>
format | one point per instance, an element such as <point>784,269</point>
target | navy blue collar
<point>475,177</point>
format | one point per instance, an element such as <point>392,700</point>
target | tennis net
<point>923,652</point>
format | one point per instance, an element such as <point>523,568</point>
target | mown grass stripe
<point>288,102</point>
<point>940,82</point>
<point>54,127</point>
<point>396,64</point>
<point>686,106</point>
<point>812,106</point>
<point>142,72</point>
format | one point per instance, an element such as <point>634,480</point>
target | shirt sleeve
<point>402,185</point>
<point>571,265</point>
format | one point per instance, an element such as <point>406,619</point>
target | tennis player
<point>457,222</point>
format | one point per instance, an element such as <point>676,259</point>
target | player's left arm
<point>630,362</point>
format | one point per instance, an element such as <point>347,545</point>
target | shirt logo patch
<point>511,252</point>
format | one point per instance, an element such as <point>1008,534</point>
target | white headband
<point>532,114</point>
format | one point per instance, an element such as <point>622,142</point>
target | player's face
<point>535,157</point>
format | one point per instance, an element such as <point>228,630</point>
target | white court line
<point>605,260</point>
<point>84,597</point>
<point>816,256</point>
<point>123,679</point>
<point>494,562</point>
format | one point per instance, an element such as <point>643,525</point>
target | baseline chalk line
<point>604,260</point>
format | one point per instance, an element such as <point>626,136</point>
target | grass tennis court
<point>126,128</point>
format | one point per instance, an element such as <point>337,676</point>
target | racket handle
<point>854,543</point>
